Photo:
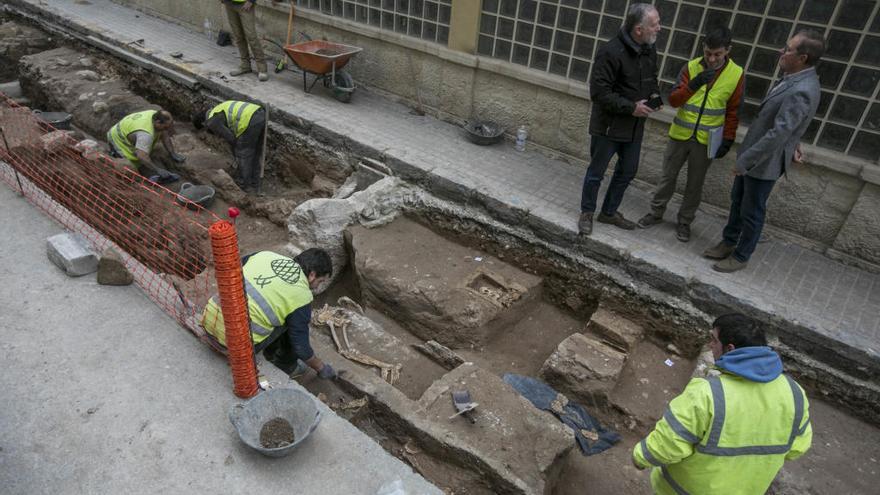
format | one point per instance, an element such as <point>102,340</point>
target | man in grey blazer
<point>773,141</point>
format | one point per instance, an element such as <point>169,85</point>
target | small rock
<point>99,107</point>
<point>86,96</point>
<point>671,348</point>
<point>112,271</point>
<point>86,62</point>
<point>62,62</point>
<point>88,75</point>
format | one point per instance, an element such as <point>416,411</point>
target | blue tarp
<point>573,414</point>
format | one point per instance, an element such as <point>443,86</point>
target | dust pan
<point>295,406</point>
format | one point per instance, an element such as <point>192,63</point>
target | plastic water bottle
<point>521,135</point>
<point>208,31</point>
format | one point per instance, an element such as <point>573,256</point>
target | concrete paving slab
<point>833,310</point>
<point>104,393</point>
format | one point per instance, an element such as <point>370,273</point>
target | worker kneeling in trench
<point>279,296</point>
<point>132,140</point>
<point>242,125</point>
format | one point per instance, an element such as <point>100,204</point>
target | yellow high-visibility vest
<point>728,436</point>
<point>276,287</point>
<point>118,134</point>
<point>715,108</point>
<point>238,114</point>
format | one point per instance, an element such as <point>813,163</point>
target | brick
<point>583,368</point>
<point>72,253</point>
<point>615,330</point>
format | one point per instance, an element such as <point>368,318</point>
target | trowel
<point>463,404</point>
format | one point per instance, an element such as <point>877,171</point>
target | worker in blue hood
<point>729,434</point>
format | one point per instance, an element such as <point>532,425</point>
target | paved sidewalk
<point>103,392</point>
<point>819,302</point>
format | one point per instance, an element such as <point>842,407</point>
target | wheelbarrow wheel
<point>343,87</point>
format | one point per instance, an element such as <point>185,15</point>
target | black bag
<point>223,38</point>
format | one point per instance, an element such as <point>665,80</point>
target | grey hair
<point>636,15</point>
<point>812,45</point>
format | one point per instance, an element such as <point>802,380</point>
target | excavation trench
<point>422,274</point>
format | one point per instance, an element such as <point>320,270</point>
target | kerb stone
<point>583,368</point>
<point>72,253</point>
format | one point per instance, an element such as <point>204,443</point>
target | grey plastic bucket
<point>296,406</point>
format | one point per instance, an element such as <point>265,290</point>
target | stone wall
<point>830,201</point>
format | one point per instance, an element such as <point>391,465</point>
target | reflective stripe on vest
<point>672,483</point>
<point>718,401</point>
<point>238,115</point>
<point>706,108</point>
<point>264,305</point>
<point>118,134</point>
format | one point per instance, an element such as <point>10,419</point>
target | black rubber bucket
<point>58,120</point>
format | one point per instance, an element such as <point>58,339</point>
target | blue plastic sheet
<point>573,414</point>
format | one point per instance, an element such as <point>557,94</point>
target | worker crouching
<point>242,125</point>
<point>133,138</point>
<point>729,434</point>
<point>279,296</point>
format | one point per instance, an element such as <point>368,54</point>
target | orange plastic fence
<point>163,242</point>
<point>233,304</point>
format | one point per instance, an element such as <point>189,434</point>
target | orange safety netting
<point>162,238</point>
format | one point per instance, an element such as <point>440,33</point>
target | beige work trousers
<point>244,34</point>
<point>677,153</point>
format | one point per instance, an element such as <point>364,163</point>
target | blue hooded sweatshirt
<point>758,364</point>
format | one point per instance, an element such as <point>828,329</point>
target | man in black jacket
<point>624,90</point>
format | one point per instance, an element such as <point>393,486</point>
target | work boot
<point>617,220</point>
<point>585,223</point>
<point>240,71</point>
<point>300,370</point>
<point>649,220</point>
<point>729,265</point>
<point>683,232</point>
<point>719,251</point>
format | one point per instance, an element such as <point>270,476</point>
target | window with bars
<point>561,37</point>
<point>423,19</point>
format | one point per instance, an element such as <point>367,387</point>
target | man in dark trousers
<point>242,125</point>
<point>279,297</point>
<point>622,84</point>
<point>707,96</point>
<point>773,142</point>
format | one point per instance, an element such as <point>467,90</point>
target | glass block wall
<point>424,19</point>
<point>561,37</point>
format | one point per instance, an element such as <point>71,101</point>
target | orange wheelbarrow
<point>324,60</point>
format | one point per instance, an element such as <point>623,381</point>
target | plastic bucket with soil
<point>274,422</point>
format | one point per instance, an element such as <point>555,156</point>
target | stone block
<point>615,330</point>
<point>583,368</point>
<point>437,289</point>
<point>112,270</point>
<point>72,253</point>
<point>860,235</point>
<point>527,444</point>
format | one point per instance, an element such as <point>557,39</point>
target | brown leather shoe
<point>649,220</point>
<point>240,71</point>
<point>719,251</point>
<point>729,265</point>
<point>585,224</point>
<point>617,220</point>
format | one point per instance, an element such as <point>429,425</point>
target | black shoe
<point>649,220</point>
<point>683,232</point>
<point>617,220</point>
<point>585,224</point>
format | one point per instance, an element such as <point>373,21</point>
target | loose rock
<point>112,270</point>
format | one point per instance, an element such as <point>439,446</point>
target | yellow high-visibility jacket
<point>238,114</point>
<point>726,435</point>
<point>276,287</point>
<point>118,134</point>
<point>713,104</point>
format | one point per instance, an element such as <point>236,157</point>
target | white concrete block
<point>72,253</point>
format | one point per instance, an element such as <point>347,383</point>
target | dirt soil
<point>276,432</point>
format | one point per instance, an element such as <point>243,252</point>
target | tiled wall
<point>424,19</point>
